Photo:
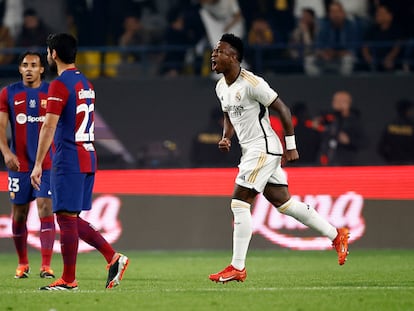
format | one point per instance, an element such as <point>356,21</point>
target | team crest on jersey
<point>43,103</point>
<point>238,96</point>
<point>32,103</point>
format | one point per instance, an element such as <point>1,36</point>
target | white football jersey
<point>246,101</point>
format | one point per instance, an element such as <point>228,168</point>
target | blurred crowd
<point>175,37</point>
<point>333,137</point>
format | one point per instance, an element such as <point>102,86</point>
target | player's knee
<point>277,195</point>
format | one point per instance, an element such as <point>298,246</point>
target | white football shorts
<point>256,169</point>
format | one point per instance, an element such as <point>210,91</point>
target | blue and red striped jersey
<point>26,108</point>
<point>72,97</point>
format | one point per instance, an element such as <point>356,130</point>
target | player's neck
<point>32,85</point>
<point>232,75</point>
<point>63,67</point>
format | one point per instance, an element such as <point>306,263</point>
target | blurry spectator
<point>303,36</point>
<point>382,43</point>
<point>152,19</point>
<point>280,15</point>
<point>12,16</point>
<point>343,135</point>
<point>318,6</point>
<point>356,9</point>
<point>251,9</point>
<point>91,20</point>
<point>6,41</point>
<point>359,12</point>
<point>260,33</point>
<point>260,38</point>
<point>403,13</point>
<point>34,31</point>
<point>336,43</point>
<point>308,135</point>
<point>90,24</point>
<point>51,12</point>
<point>134,33</point>
<point>396,144</point>
<point>221,16</point>
<point>135,61</point>
<point>176,39</point>
<point>205,151</point>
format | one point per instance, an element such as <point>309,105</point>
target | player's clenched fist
<point>224,144</point>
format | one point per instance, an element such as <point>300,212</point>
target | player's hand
<point>36,176</point>
<point>224,144</point>
<point>291,155</point>
<point>12,162</point>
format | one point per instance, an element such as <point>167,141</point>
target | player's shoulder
<point>16,86</point>
<point>250,78</point>
<point>13,88</point>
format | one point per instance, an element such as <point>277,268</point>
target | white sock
<point>242,232</point>
<point>309,217</point>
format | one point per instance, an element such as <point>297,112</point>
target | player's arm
<point>47,132</point>
<point>279,106</point>
<point>10,159</point>
<point>228,131</point>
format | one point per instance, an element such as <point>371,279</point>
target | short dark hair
<point>65,45</point>
<point>235,43</point>
<point>23,55</point>
<point>33,53</point>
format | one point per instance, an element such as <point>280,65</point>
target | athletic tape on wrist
<point>290,142</point>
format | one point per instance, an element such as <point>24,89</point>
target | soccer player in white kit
<point>245,100</point>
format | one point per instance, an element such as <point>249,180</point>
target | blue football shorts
<point>72,192</point>
<point>21,190</point>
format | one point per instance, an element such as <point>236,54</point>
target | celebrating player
<point>70,122</point>
<point>23,104</point>
<point>245,99</point>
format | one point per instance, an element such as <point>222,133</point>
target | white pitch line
<point>222,287</point>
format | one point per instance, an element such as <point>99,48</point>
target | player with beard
<point>23,106</point>
<point>69,122</point>
<point>245,100</point>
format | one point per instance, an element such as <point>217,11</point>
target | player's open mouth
<point>213,65</point>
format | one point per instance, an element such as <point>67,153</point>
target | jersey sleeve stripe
<point>249,78</point>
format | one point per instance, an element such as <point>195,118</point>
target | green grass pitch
<point>277,280</point>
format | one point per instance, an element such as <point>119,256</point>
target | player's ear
<point>42,69</point>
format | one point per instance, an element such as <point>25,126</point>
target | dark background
<point>144,111</point>
<point>141,112</point>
